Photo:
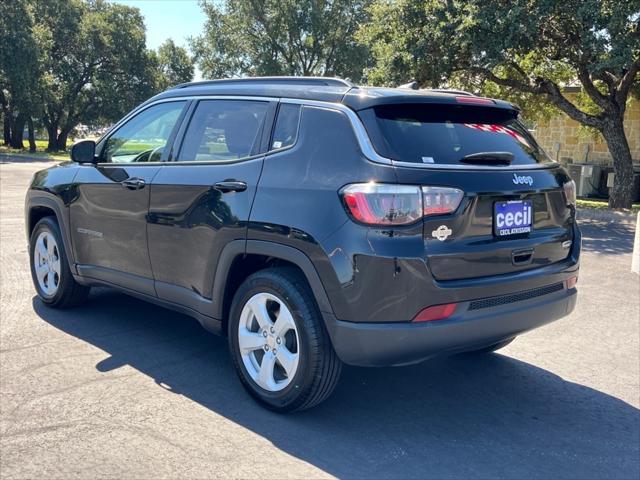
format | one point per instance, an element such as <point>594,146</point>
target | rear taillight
<point>379,204</point>
<point>570,193</point>
<point>386,204</point>
<point>440,200</point>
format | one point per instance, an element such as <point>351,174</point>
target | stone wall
<point>581,147</point>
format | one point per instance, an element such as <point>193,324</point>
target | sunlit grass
<point>41,147</point>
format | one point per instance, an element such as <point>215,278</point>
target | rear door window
<point>286,128</point>
<point>436,134</point>
<point>223,130</point>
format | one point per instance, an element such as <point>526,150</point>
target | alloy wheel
<point>269,342</point>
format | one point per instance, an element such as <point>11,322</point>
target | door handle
<point>133,183</point>
<point>230,186</point>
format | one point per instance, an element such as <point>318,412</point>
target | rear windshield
<point>427,133</point>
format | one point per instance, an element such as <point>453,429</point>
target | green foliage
<point>281,37</point>
<point>523,50</point>
<point>75,61</point>
<point>525,41</point>
<point>174,65</point>
<point>18,71</point>
<point>97,66</point>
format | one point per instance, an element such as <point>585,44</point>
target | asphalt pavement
<point>119,388</point>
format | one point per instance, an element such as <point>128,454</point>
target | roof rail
<point>318,81</point>
<point>451,90</point>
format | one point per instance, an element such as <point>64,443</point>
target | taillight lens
<point>570,193</point>
<point>385,204</point>
<point>380,204</point>
<point>440,200</point>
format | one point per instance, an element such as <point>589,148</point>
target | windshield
<point>437,134</point>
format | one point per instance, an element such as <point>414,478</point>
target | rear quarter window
<point>437,134</point>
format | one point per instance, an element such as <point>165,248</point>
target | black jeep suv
<point>314,222</point>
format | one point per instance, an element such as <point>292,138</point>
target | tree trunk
<point>621,195</point>
<point>17,132</point>
<point>52,137</point>
<point>6,119</point>
<point>32,138</point>
<point>62,140</point>
<point>7,130</point>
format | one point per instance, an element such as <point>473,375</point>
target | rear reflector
<point>475,100</point>
<point>436,312</point>
<point>571,282</point>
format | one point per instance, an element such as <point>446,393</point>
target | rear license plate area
<point>512,218</point>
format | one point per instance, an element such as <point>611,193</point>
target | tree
<point>281,37</point>
<point>174,65</point>
<point>529,48</point>
<point>96,66</point>
<point>19,71</point>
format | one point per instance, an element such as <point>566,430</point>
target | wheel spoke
<point>41,248</point>
<point>284,322</point>
<point>41,272</point>
<point>288,360</point>
<point>250,341</point>
<point>258,306</point>
<point>265,375</point>
<point>51,280</point>
<point>55,266</point>
<point>50,245</point>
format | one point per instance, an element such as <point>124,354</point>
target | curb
<point>603,215</point>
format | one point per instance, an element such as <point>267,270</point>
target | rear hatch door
<point>513,215</point>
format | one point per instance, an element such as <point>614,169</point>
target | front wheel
<point>280,347</point>
<point>50,271</point>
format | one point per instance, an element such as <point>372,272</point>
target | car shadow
<point>465,416</point>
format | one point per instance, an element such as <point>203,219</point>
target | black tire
<point>492,348</point>
<point>69,293</point>
<point>318,368</point>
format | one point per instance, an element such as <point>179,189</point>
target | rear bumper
<point>386,344</point>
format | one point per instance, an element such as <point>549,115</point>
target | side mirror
<point>84,151</point>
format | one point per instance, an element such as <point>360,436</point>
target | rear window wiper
<point>489,158</point>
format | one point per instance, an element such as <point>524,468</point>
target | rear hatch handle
<point>523,256</point>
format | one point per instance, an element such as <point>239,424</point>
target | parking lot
<point>122,389</point>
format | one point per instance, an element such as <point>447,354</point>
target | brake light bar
<point>475,100</point>
<point>389,204</point>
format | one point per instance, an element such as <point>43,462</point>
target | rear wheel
<point>492,348</point>
<point>280,347</point>
<point>50,271</point>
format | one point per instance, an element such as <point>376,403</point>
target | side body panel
<point>190,222</point>
<point>297,203</point>
<point>109,222</point>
